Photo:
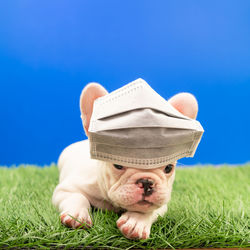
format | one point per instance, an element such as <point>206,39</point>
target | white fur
<point>84,181</point>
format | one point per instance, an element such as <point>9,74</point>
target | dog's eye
<point>168,168</point>
<point>118,166</point>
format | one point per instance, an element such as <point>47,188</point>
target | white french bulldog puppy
<point>84,182</point>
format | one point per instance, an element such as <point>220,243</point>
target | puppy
<point>143,195</point>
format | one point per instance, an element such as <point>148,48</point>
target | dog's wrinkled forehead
<point>135,127</point>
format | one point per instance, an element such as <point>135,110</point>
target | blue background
<point>50,49</point>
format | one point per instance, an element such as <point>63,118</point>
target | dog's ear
<point>89,94</point>
<point>186,104</point>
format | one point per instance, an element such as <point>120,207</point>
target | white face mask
<point>134,126</point>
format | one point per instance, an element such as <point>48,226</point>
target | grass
<point>209,208</point>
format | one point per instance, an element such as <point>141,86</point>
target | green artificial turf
<point>209,208</point>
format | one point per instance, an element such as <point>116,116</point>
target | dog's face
<point>137,189</point>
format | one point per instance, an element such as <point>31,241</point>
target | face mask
<point>136,127</point>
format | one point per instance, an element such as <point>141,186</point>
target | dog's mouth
<point>144,203</point>
<point>141,206</point>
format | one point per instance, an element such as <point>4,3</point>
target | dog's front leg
<point>135,225</point>
<point>74,207</point>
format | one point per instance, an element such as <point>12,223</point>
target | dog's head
<point>137,189</point>
<point>133,189</point>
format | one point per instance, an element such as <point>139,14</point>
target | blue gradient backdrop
<point>50,49</point>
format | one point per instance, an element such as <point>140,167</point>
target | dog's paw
<point>76,219</point>
<point>134,225</point>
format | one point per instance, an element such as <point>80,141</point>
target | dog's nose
<point>147,185</point>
